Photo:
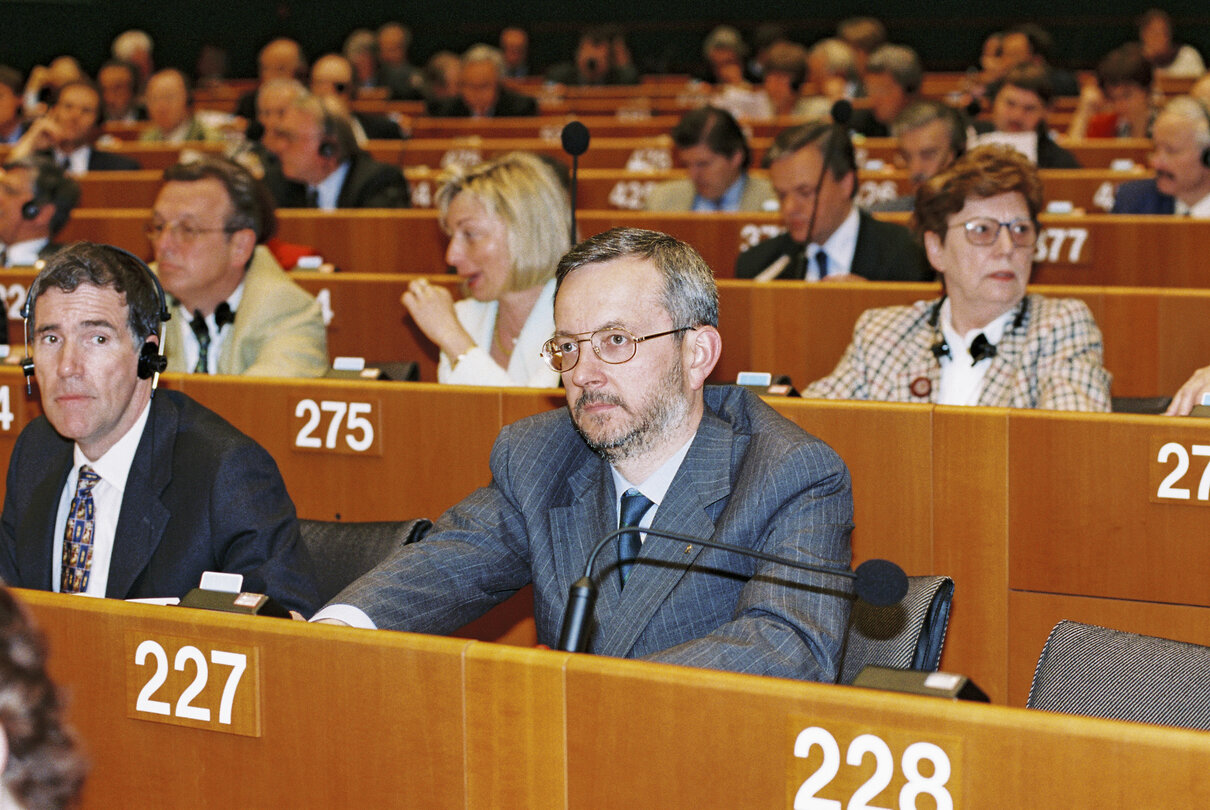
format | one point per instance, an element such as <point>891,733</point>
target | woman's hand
<point>432,307</point>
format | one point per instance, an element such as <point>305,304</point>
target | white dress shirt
<point>24,254</point>
<point>961,377</point>
<point>840,247</point>
<point>218,337</point>
<point>113,467</point>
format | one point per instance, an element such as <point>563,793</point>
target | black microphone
<point>981,348</point>
<point>575,138</point>
<point>879,582</point>
<point>940,349</point>
<point>842,111</point>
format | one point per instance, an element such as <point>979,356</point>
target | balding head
<point>332,75</point>
<point>281,59</point>
<point>168,100</point>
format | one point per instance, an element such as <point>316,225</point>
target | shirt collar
<point>656,485</point>
<point>328,190</point>
<point>114,465</point>
<point>993,331</point>
<point>840,247</point>
<point>729,201</point>
<point>25,254</point>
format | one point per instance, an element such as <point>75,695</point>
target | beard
<point>664,409</point>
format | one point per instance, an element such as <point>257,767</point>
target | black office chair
<point>1085,669</point>
<point>906,635</point>
<point>343,551</point>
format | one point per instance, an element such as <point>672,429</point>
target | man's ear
<point>700,352</point>
<point>244,243</point>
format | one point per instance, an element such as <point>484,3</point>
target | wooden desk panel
<point>1082,514</point>
<point>365,717</point>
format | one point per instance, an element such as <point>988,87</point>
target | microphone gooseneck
<point>842,111</point>
<point>575,137</point>
<point>879,582</point>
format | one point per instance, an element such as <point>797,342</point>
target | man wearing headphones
<point>1181,137</point>
<point>236,311</point>
<point>893,76</point>
<point>332,77</point>
<point>115,493</point>
<point>814,172</point>
<point>36,198</point>
<point>317,148</point>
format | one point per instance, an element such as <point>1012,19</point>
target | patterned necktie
<point>821,259</point>
<point>78,536</point>
<point>634,506</point>
<point>202,332</point>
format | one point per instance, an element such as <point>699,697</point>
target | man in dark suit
<point>69,129</point>
<point>327,169</point>
<point>1181,136</point>
<point>114,493</point>
<point>641,443</point>
<point>36,202</point>
<point>1019,106</point>
<point>481,92</point>
<point>814,172</point>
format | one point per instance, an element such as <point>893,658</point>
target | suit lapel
<point>1006,384</point>
<point>922,365</point>
<point>143,517</point>
<point>229,362</point>
<point>703,479</point>
<point>36,535</point>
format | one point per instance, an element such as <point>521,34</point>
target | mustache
<point>596,398</point>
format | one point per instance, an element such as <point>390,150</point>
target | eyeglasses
<point>181,230</point>
<point>614,346</point>
<point>984,231</point>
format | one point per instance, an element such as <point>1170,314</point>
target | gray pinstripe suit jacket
<point>751,478</point>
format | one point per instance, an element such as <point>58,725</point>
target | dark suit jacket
<point>200,496</point>
<point>369,184</point>
<point>1142,197</point>
<point>885,251</point>
<point>750,478</point>
<point>508,103</point>
<point>378,127</point>
<point>863,122</point>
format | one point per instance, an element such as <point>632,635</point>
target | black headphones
<point>151,362</point>
<point>31,209</point>
<point>981,347</point>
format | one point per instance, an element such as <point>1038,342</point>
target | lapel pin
<point>688,549</point>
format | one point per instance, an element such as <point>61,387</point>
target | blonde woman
<point>509,222</point>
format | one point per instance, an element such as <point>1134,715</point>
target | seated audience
<point>1181,138</point>
<point>864,35</point>
<point>509,221</point>
<point>68,131</point>
<point>713,148</point>
<point>43,769</point>
<point>814,173</point>
<point>1119,104</point>
<point>1030,44</point>
<point>832,69</point>
<point>12,122</point>
<point>930,135</point>
<point>1165,55</point>
<point>724,51</point>
<point>395,72</point>
<point>36,199</point>
<point>361,50</point>
<point>985,341</point>
<point>332,77</point>
<point>481,90</point>
<point>783,69</point>
<point>892,78</point>
<point>235,311</point>
<point>170,108</point>
<point>642,443</point>
<point>119,83</point>
<point>1019,110</point>
<point>595,62</point>
<point>328,170</point>
<point>115,493</point>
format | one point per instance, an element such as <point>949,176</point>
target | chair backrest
<point>1085,669</point>
<point>342,552</point>
<point>906,635</point>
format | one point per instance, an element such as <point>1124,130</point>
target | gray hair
<point>900,63</point>
<point>689,294</point>
<point>482,52</point>
<point>1191,111</point>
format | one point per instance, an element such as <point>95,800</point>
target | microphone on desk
<point>879,582</point>
<point>575,138</point>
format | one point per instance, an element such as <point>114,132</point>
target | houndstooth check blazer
<point>1052,360</point>
<point>750,478</point>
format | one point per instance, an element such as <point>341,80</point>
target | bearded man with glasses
<point>985,341</point>
<point>636,315</point>
<point>234,310</point>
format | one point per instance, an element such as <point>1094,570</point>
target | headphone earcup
<point>151,362</point>
<point>31,210</point>
<point>327,148</point>
<point>1206,157</point>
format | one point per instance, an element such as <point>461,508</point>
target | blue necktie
<point>78,535</point>
<point>821,259</point>
<point>634,506</point>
